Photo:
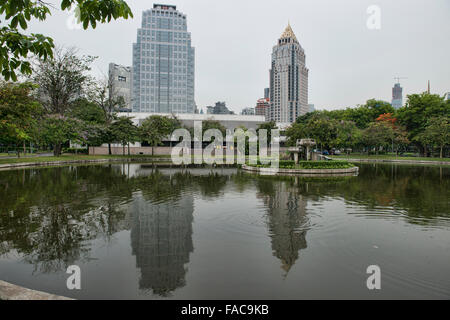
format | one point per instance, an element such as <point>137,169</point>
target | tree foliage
<point>155,128</point>
<point>16,46</point>
<point>19,113</point>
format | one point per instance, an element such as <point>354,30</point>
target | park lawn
<point>387,157</point>
<point>73,157</point>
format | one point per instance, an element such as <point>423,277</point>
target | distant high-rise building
<point>263,107</point>
<point>397,96</point>
<point>219,108</point>
<point>288,79</point>
<point>311,107</point>
<point>248,111</point>
<point>447,96</point>
<point>267,93</point>
<point>121,78</point>
<point>163,63</point>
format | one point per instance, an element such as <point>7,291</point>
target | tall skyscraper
<point>267,93</point>
<point>397,96</point>
<point>163,63</point>
<point>288,79</point>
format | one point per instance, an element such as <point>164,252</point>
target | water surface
<point>141,233</point>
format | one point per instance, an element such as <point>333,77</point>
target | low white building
<point>229,121</point>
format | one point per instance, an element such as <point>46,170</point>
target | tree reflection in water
<point>50,216</point>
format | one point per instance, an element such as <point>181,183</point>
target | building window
<point>122,79</point>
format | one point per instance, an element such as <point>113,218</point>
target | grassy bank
<point>388,157</point>
<point>73,157</point>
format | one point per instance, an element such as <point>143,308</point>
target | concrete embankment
<point>437,162</point>
<point>10,291</point>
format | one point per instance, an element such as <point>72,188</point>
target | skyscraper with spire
<point>288,79</point>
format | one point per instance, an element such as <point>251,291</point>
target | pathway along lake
<point>137,233</point>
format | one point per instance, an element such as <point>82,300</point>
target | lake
<point>138,232</point>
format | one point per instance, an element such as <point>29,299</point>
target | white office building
<point>163,63</point>
<point>121,77</point>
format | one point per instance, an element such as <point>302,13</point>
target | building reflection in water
<point>161,239</point>
<point>287,220</point>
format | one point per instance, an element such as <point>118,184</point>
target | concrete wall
<point>158,151</point>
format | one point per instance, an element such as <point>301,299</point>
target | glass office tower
<point>163,63</point>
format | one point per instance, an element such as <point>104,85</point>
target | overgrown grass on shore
<point>75,158</point>
<point>387,157</point>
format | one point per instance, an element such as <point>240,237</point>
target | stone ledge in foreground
<point>12,292</point>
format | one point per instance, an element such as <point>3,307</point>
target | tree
<point>125,132</point>
<point>376,135</point>
<point>19,114</point>
<point>418,110</point>
<point>16,46</point>
<point>323,130</point>
<point>62,79</point>
<point>107,97</point>
<point>213,124</point>
<point>57,130</point>
<point>269,126</point>
<point>399,136</point>
<point>155,128</point>
<point>348,135</point>
<point>296,132</point>
<point>436,133</point>
<point>87,111</point>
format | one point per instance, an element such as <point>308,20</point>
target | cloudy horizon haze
<point>348,62</point>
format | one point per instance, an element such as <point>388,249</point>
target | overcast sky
<point>348,62</point>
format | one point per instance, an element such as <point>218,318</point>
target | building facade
<point>288,80</point>
<point>263,107</point>
<point>397,96</point>
<point>163,63</point>
<point>248,111</point>
<point>121,78</point>
<point>219,108</point>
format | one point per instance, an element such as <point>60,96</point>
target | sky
<point>349,62</point>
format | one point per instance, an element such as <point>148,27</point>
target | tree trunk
<point>109,149</point>
<point>123,148</point>
<point>128,148</point>
<point>57,150</point>
<point>442,150</point>
<point>153,151</point>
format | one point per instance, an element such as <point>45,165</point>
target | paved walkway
<point>9,291</point>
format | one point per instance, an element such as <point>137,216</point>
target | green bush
<point>310,165</point>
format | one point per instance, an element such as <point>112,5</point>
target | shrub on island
<point>289,164</point>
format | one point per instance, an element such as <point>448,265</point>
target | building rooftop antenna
<point>399,78</point>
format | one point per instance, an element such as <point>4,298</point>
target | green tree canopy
<point>57,130</point>
<point>124,131</point>
<point>19,113</point>
<point>437,133</point>
<point>16,46</point>
<point>419,109</point>
<point>155,128</point>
